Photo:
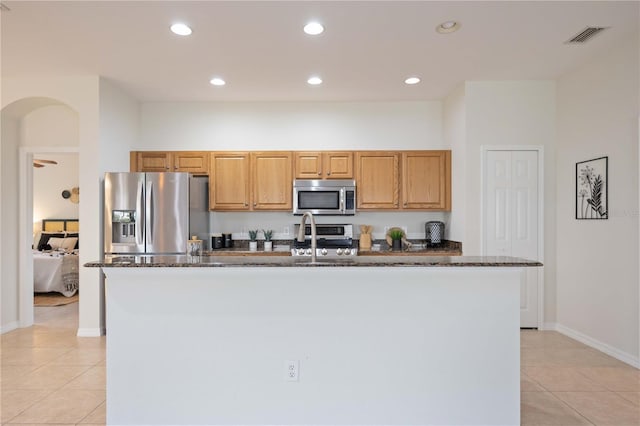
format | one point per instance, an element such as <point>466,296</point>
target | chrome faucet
<point>314,242</point>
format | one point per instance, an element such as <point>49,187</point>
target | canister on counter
<point>227,240</point>
<point>194,246</point>
<point>216,241</point>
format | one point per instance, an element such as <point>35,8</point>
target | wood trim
<point>133,161</point>
<point>56,225</point>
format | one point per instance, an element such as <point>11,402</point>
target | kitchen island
<point>368,340</point>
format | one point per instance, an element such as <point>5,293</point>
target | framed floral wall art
<point>592,195</point>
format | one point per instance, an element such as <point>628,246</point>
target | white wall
<point>291,125</point>
<point>598,260</point>
<point>9,220</point>
<point>511,113</point>
<point>52,125</point>
<point>19,97</point>
<point>118,131</point>
<point>454,124</point>
<point>48,184</point>
<point>297,126</point>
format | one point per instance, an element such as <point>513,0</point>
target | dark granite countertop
<point>289,261</point>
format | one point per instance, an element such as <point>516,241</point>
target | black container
<point>227,240</point>
<point>217,242</point>
<point>434,232</point>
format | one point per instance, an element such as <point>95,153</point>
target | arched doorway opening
<point>31,127</point>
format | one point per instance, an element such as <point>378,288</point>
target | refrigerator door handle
<point>150,213</point>
<point>140,219</point>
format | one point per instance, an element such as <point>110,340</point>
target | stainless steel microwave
<point>324,197</point>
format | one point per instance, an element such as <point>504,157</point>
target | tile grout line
<point>588,420</point>
<point>34,403</point>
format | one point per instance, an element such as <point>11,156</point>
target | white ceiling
<point>259,48</point>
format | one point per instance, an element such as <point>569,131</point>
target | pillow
<point>63,243</point>
<point>76,235</point>
<point>44,239</point>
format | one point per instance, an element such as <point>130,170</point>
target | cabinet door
<point>229,181</point>
<point>308,165</point>
<point>154,161</point>
<point>272,178</point>
<point>426,180</point>
<point>338,165</point>
<point>377,175</point>
<point>192,162</point>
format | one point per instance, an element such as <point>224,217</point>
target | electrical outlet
<point>286,230</point>
<point>292,370</point>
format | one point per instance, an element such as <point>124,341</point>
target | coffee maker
<point>434,233</point>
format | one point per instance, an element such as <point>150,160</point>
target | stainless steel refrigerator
<point>149,213</point>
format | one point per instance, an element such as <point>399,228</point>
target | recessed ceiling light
<point>217,81</point>
<point>314,81</point>
<point>448,27</point>
<point>412,80</point>
<point>313,28</point>
<point>181,29</point>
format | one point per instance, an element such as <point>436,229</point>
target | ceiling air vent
<point>586,35</point>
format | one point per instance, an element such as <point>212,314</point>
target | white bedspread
<point>55,272</point>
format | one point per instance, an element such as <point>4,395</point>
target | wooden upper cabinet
<point>308,165</point>
<point>272,180</point>
<point>338,165</point>
<point>377,179</point>
<point>229,181</point>
<point>195,162</point>
<point>323,165</point>
<point>426,180</point>
<point>152,161</point>
<point>191,161</point>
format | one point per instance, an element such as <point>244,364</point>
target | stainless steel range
<point>334,240</point>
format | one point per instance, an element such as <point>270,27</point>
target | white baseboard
<point>9,327</point>
<point>91,332</point>
<point>596,344</point>
<point>548,326</point>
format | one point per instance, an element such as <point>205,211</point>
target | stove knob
<point>347,252</point>
<point>339,251</point>
<point>308,252</point>
<point>300,252</point>
<point>324,252</point>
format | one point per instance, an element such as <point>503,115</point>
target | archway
<point>17,207</point>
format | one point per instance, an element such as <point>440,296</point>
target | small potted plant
<point>268,244</point>
<point>253,244</point>
<point>396,238</point>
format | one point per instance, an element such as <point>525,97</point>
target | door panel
<point>167,214</point>
<point>124,205</point>
<point>498,215</point>
<point>511,218</point>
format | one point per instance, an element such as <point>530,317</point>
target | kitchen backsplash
<point>282,223</point>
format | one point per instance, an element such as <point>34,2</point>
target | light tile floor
<point>50,376</point>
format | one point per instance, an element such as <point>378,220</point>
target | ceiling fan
<point>41,163</point>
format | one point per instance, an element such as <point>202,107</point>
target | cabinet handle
<point>246,204</point>
<point>175,168</point>
<point>328,173</point>
<point>319,173</point>
<point>405,204</point>
<point>255,204</point>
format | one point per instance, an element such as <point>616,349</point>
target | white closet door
<point>511,218</point>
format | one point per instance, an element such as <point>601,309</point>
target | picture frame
<point>592,189</point>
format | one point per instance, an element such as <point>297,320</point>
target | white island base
<point>392,346</point>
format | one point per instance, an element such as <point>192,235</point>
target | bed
<point>55,257</point>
